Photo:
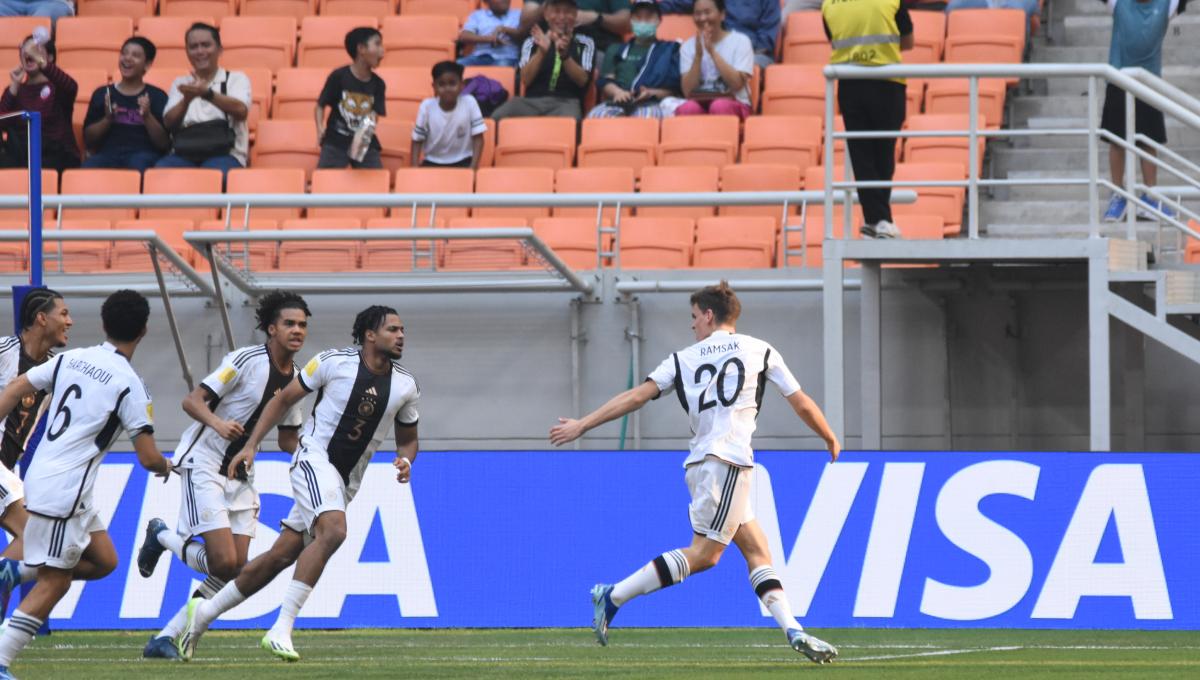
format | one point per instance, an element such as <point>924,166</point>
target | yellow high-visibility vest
<point>863,32</point>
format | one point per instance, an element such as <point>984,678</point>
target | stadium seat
<point>619,142</point>
<point>513,181</point>
<point>756,177</point>
<point>169,37</point>
<point>263,255</point>
<point>14,255</point>
<point>985,36</point>
<point>918,227</point>
<point>181,181</point>
<point>286,144</point>
<point>591,181</point>
<point>952,95</point>
<point>407,86</point>
<point>929,38</point>
<point>100,181</point>
<point>505,75</point>
<point>814,213</point>
<point>424,181</point>
<point>689,179</point>
<point>264,181</point>
<point>790,140</point>
<point>656,242</point>
<point>391,256</point>
<point>350,182</point>
<point>14,30</point>
<point>297,9</point>
<point>88,80</point>
<point>323,40</point>
<point>296,93</point>
<point>459,9</point>
<point>261,88</point>
<point>573,239</point>
<point>417,40</point>
<point>115,8</point>
<point>699,140</point>
<point>85,42</point>
<point>319,256</point>
<point>15,181</point>
<point>914,96</point>
<point>133,256</point>
<point>797,89</point>
<point>1193,245</point>
<point>678,27</point>
<point>735,243</point>
<point>261,42</point>
<point>945,202</point>
<point>804,40</point>
<point>82,257</point>
<point>362,8</point>
<point>163,76</point>
<point>535,143</point>
<point>482,255</point>
<point>941,149</point>
<point>395,136</point>
<point>191,8</point>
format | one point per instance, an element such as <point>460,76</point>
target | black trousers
<point>872,105</point>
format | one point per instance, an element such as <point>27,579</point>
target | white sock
<point>295,597</point>
<point>665,570</point>
<point>195,555</point>
<point>28,573</point>
<point>171,541</point>
<point>769,589</point>
<point>17,635</point>
<point>225,599</point>
<point>210,587</point>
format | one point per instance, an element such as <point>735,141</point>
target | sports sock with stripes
<point>293,600</point>
<point>769,590</point>
<point>17,635</point>
<point>195,555</point>
<point>665,570</point>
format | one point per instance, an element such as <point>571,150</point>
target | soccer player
<point>226,407</point>
<point>362,390</point>
<point>96,394</point>
<point>720,382</point>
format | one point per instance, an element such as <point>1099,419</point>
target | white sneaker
<point>280,646</point>
<point>881,230</point>
<point>817,650</point>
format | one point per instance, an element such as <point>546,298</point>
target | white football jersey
<point>720,383</point>
<point>16,429</point>
<point>239,390</point>
<point>96,393</point>
<point>354,410</point>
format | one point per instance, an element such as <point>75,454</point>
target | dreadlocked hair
<point>273,303</point>
<point>370,319</point>
<point>37,301</point>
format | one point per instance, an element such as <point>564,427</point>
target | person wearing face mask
<point>638,75</point>
<point>38,84</point>
<point>123,127</point>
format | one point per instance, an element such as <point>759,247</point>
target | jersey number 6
<point>706,372</point>
<point>51,433</point>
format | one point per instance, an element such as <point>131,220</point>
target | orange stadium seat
<point>984,36</point>
<point>424,181</point>
<point>1193,245</point>
<point>536,142</point>
<point>278,8</point>
<point>929,38</point>
<point>14,256</point>
<point>791,140</point>
<point>945,202</point>
<point>82,257</point>
<point>15,181</point>
<point>814,180</point>
<point>88,80</point>
<point>573,239</point>
<point>350,182</point>
<point>395,136</point>
<point>755,177</point>
<point>794,89</point>
<point>690,179</point>
<point>513,181</point>
<point>115,8</point>
<point>163,76</point>
<point>100,181</point>
<point>323,39</point>
<point>261,87</point>
<point>362,8</point>
<point>952,95</point>
<point>168,35</point>
<point>941,149</point>
<point>619,142</point>
<point>914,96</point>
<point>262,254</point>
<point>188,8</point>
<point>417,40</point>
<point>656,242</point>
<point>263,42</point>
<point>264,181</point>
<point>286,144</point>
<point>390,256</point>
<point>505,75</point>
<point>735,243</point>
<point>458,9</point>
<point>85,42</point>
<point>591,181</point>
<point>483,255</point>
<point>804,40</point>
<point>181,181</point>
<point>319,256</point>
<point>678,27</point>
<point>699,140</point>
<point>132,256</point>
<point>969,22</point>
<point>296,93</point>
<point>918,227</point>
<point>407,86</point>
<point>14,30</point>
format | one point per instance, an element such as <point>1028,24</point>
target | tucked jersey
<point>96,394</point>
<point>354,409</point>
<point>720,383</point>
<point>16,429</point>
<point>239,390</point>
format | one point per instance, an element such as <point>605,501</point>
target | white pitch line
<point>940,652</point>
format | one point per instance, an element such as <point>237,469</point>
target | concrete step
<point>1174,53</point>
<point>1092,30</point>
<point>1043,191</point>
<point>1184,76</point>
<point>1005,159</point>
<point>1177,134</point>
<point>1036,229</point>
<point>1061,9</point>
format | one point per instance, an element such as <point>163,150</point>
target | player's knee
<point>223,567</point>
<point>703,561</point>
<point>333,535</point>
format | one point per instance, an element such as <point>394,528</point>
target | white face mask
<point>644,29</point>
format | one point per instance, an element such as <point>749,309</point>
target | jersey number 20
<point>705,374</point>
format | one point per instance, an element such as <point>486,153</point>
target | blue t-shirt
<point>128,131</point>
<point>1139,27</point>
<point>483,22</point>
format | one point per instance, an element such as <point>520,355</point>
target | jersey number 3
<point>705,374</point>
<point>51,432</point>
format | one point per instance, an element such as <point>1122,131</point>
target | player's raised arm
<point>569,429</point>
<point>13,393</point>
<point>814,418</point>
<point>270,417</point>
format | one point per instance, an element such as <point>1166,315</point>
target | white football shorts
<point>720,498</point>
<point>59,543</point>
<point>208,501</point>
<point>317,488</point>
<point>12,489</point>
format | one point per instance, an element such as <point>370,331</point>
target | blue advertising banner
<point>881,539</point>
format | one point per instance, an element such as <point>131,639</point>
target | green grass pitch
<point>633,653</point>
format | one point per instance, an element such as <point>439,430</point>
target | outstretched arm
<point>568,429</point>
<point>812,416</point>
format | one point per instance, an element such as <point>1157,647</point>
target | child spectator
<point>641,73</point>
<point>37,84</point>
<point>449,128</point>
<point>494,32</point>
<point>354,95</point>
<point>124,120</point>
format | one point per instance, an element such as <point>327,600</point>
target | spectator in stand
<point>449,128</point>
<point>355,96</point>
<point>38,84</point>
<point>54,9</point>
<point>638,75</point>
<point>715,67</point>
<point>1030,7</point>
<point>556,67</point>
<point>494,31</point>
<point>124,125</point>
<point>1139,27</point>
<point>758,20</point>
<point>604,21</point>
<point>206,110</point>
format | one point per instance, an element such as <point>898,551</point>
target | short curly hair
<point>273,303</point>
<point>370,319</point>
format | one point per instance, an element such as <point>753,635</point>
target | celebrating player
<point>720,382</point>
<point>96,393</point>
<point>362,390</point>
<point>219,507</point>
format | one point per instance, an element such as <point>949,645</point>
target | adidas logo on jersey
<point>371,391</point>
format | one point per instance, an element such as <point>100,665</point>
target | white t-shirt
<point>16,429</point>
<point>200,111</point>
<point>96,393</point>
<point>735,48</point>
<point>448,135</point>
<point>241,386</point>
<point>354,410</point>
<point>720,383</point>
